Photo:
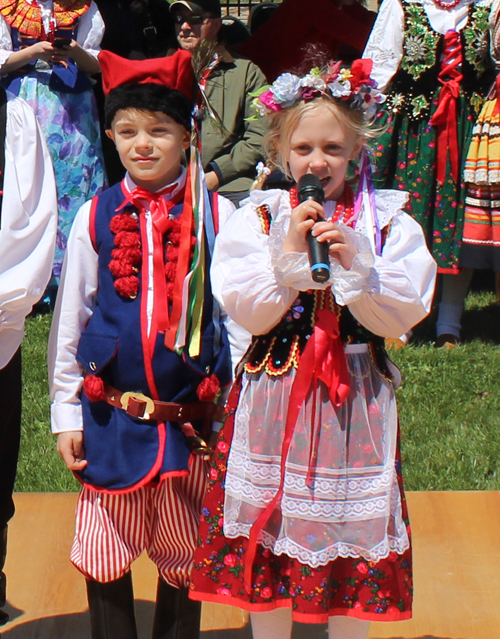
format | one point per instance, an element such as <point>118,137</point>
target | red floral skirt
<point>380,591</point>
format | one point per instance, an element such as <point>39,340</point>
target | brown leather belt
<point>143,407</point>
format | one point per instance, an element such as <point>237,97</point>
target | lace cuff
<point>290,269</point>
<point>349,286</point>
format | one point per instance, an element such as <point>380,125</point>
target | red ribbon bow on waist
<point>323,360</point>
<point>445,116</point>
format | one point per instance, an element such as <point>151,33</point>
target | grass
<point>449,408</point>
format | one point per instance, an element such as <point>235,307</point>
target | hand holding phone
<point>59,43</point>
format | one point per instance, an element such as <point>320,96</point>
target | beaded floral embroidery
<point>476,38</point>
<point>420,41</point>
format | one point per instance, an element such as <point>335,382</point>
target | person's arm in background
<point>385,44</point>
<point>28,223</point>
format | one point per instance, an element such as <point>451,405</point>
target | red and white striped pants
<point>113,530</point>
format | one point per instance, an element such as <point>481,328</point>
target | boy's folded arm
<point>74,306</point>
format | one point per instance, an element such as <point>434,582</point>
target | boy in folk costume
<point>137,352</point>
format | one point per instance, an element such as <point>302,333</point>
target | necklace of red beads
<point>344,210</point>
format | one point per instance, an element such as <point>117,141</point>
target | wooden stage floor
<point>457,575</point>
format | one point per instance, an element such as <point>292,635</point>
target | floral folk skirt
<point>379,590</point>
<point>70,123</point>
<point>481,236</point>
<point>405,158</point>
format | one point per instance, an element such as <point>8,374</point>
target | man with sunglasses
<point>229,152</point>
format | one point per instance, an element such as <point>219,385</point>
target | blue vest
<point>123,452</point>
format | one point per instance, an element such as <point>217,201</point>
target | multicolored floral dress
<point>61,97</point>
<point>481,242</point>
<point>305,505</point>
<point>434,64</point>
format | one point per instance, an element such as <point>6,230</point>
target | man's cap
<point>199,7</point>
<point>174,72</point>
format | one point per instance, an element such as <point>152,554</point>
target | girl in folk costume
<point>47,50</point>
<point>432,55</point>
<point>481,241</point>
<point>305,516</point>
<point>138,355</point>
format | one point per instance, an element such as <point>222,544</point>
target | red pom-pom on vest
<point>208,389</point>
<point>93,387</point>
<point>127,286</point>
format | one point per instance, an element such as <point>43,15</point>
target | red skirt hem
<point>196,595</point>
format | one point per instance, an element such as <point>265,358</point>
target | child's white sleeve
<point>391,293</point>
<point>28,223</point>
<point>74,306</point>
<point>243,278</point>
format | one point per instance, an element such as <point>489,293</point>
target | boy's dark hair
<point>149,96</point>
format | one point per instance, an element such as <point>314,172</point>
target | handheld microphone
<point>309,188</point>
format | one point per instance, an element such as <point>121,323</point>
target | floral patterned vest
<point>280,349</point>
<point>416,82</point>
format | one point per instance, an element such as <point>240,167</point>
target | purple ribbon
<point>366,185</point>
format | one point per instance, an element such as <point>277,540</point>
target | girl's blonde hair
<point>283,123</point>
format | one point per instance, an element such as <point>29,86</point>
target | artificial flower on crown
<point>353,85</point>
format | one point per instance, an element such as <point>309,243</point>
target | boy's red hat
<point>174,72</point>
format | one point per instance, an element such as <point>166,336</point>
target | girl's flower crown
<point>352,85</point>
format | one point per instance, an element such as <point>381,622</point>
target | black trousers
<point>10,433</point>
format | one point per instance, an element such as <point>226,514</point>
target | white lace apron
<point>353,508</point>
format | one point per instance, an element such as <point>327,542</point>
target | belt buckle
<point>150,405</point>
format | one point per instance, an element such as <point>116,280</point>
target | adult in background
<point>229,152</point>
<point>432,59</point>
<point>28,223</point>
<point>47,51</point>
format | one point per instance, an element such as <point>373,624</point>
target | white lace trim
<point>482,177</point>
<point>315,559</point>
<point>296,483</point>
<point>336,511</point>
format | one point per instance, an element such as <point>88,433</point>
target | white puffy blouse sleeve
<point>388,294</point>
<point>385,44</point>
<point>74,306</point>
<point>91,30</point>
<point>243,279</point>
<point>5,41</point>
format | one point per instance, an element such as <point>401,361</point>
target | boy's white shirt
<point>28,226</point>
<point>74,307</point>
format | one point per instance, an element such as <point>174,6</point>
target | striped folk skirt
<point>481,235</point>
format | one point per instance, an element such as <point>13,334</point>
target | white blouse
<point>256,283</point>
<point>89,36</point>
<point>385,44</point>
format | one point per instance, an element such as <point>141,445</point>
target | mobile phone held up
<point>59,43</point>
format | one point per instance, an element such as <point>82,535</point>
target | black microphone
<point>309,188</point>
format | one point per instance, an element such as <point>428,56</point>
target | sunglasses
<point>193,19</point>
